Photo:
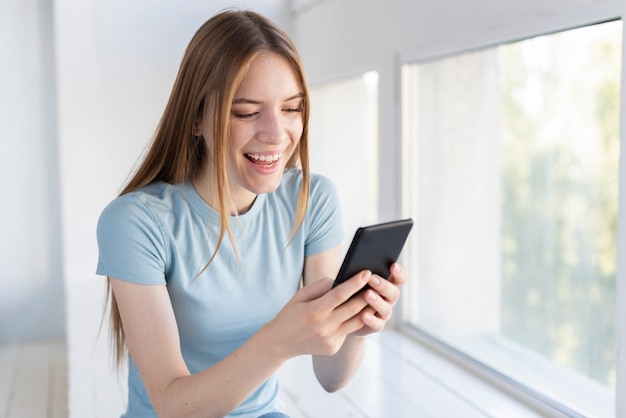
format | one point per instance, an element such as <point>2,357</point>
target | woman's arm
<point>335,371</point>
<point>315,321</point>
<point>153,342</point>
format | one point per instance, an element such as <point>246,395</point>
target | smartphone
<point>375,248</point>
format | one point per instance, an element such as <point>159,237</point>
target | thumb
<point>316,289</point>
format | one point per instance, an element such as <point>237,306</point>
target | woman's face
<point>265,125</point>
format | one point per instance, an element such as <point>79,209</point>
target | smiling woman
<point>207,247</point>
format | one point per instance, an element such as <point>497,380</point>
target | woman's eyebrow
<point>295,96</point>
<point>243,100</point>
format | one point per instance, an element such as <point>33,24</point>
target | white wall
<point>31,282</point>
<point>343,130</point>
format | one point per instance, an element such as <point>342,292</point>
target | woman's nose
<point>272,128</point>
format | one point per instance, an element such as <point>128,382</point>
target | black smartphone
<point>375,248</point>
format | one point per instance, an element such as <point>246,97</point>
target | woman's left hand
<point>382,297</point>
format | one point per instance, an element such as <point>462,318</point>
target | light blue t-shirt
<point>165,234</point>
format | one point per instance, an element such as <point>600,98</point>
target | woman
<point>207,246</point>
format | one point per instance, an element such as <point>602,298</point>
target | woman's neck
<point>241,201</point>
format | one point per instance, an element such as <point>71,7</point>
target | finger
<point>383,309</point>
<point>386,289</point>
<point>351,308</point>
<point>354,324</point>
<point>347,289</point>
<point>373,322</point>
<point>397,275</point>
<point>315,290</point>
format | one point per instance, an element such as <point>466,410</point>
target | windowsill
<point>527,374</point>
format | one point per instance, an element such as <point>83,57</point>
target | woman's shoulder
<point>138,197</point>
<point>323,194</point>
<point>322,227</point>
<point>322,183</point>
<point>145,202</point>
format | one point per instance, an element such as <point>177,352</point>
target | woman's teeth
<point>265,158</point>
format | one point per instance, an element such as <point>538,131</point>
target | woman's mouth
<point>265,160</point>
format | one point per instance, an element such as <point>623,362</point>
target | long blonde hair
<point>212,68</point>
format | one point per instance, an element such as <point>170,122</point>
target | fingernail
<point>375,280</point>
<point>368,317</point>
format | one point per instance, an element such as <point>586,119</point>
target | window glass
<point>512,180</point>
<point>344,144</point>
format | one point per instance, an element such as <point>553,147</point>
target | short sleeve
<point>131,242</point>
<point>324,217</point>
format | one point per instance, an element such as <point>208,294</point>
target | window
<point>344,144</point>
<point>511,174</point>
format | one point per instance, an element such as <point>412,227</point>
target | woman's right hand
<point>318,318</point>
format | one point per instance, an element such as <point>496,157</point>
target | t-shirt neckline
<point>204,209</point>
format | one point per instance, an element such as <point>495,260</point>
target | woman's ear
<point>197,127</point>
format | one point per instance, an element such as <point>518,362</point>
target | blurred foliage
<point>560,155</point>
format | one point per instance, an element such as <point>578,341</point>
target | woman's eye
<point>245,115</point>
<point>294,110</point>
